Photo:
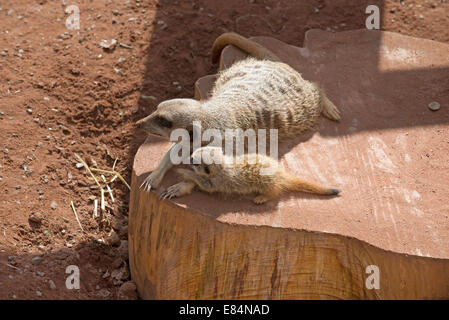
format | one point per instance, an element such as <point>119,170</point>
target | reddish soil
<point>61,94</point>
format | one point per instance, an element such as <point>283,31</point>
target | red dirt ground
<point>60,94</point>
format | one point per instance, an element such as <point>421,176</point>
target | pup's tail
<point>296,184</point>
<point>329,110</point>
<point>253,48</point>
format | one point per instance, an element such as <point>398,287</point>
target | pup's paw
<point>261,199</point>
<point>174,191</point>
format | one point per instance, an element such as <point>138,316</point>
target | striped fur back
<point>261,94</point>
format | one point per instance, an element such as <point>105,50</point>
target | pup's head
<point>170,115</point>
<point>207,161</point>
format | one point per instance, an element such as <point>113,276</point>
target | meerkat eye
<point>163,122</point>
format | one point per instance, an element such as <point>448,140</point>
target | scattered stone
<point>108,44</point>
<point>125,46</point>
<point>35,217</point>
<point>5,151</point>
<point>53,205</point>
<point>40,273</point>
<point>38,293</point>
<point>36,260</point>
<point>12,261</point>
<point>3,53</point>
<point>117,276</point>
<point>79,165</point>
<point>128,291</point>
<point>434,106</point>
<point>52,284</point>
<point>118,71</point>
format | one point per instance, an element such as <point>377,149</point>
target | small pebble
<point>35,217</point>
<point>434,106</point>
<point>36,260</point>
<point>53,204</point>
<point>52,285</point>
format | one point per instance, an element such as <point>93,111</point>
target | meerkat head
<point>170,115</point>
<point>207,161</point>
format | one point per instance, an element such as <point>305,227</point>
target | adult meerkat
<point>240,175</point>
<point>261,93</point>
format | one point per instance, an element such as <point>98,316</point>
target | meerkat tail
<point>330,110</point>
<point>296,184</point>
<point>253,48</point>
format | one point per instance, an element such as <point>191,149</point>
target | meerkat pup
<point>245,174</point>
<point>251,94</point>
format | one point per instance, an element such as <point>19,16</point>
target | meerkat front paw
<point>152,181</point>
<point>178,190</point>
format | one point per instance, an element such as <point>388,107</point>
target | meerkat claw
<point>152,181</point>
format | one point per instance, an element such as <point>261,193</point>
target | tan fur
<point>242,175</point>
<point>253,48</point>
<point>251,94</point>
